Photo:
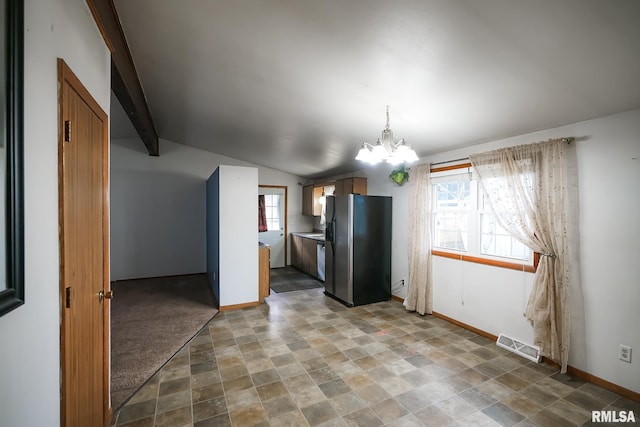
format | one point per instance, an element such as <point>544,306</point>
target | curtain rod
<point>568,140</point>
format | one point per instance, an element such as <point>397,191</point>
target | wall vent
<point>528,351</point>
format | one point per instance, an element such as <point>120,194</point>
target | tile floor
<point>303,359</point>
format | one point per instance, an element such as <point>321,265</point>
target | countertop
<point>315,235</point>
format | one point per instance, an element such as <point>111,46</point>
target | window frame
<point>494,261</point>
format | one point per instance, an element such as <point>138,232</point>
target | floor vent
<point>529,351</point>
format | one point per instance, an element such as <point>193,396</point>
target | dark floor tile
<point>472,376</point>
<point>477,398</point>
<point>363,418</point>
<point>217,421</point>
<point>253,415</point>
<point>314,364</point>
<point>177,417</point>
<point>283,359</point>
<point>502,414</point>
<point>433,416</point>
<point>145,422</point>
<point>207,392</point>
<point>137,411</point>
<point>413,400</point>
<point>481,340</point>
<point>319,413</point>
<point>588,401</point>
<point>334,388</point>
<point>547,418</point>
<point>237,384</point>
<point>418,360</point>
<point>323,375</point>
<point>279,405</point>
<point>538,395</point>
<point>174,386</point>
<point>199,368</point>
<point>389,410</point>
<point>265,377</point>
<point>625,404</point>
<point>512,381</point>
<point>209,408</point>
<point>567,379</point>
<point>271,390</point>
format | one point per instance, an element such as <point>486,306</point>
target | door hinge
<point>67,131</point>
<point>67,297</point>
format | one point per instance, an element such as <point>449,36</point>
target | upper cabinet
<point>311,193</point>
<point>311,200</point>
<point>351,185</point>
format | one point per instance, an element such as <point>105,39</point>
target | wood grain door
<point>83,192</point>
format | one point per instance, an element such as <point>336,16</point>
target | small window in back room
<point>272,207</point>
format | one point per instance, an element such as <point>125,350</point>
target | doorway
<point>275,198</point>
<point>83,184</point>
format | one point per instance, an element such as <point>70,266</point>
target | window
<point>272,208</point>
<point>464,227</point>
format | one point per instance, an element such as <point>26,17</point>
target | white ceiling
<point>298,85</point>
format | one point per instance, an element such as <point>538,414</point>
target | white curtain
<point>420,292</point>
<point>527,188</point>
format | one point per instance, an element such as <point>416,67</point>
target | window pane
<point>451,216</point>
<point>496,241</point>
<point>272,211</point>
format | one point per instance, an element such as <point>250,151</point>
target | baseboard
<point>396,298</point>
<point>465,326</point>
<point>629,394</point>
<point>237,306</point>
<point>157,277</point>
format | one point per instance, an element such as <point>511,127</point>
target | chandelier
<point>386,149</point>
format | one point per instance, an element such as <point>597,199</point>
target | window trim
<point>482,260</point>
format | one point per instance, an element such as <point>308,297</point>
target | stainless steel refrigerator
<point>358,249</point>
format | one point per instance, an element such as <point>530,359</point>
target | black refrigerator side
<point>371,249</point>
<point>329,247</point>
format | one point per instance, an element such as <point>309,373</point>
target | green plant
<point>399,176</point>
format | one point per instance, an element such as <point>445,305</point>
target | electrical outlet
<point>624,353</point>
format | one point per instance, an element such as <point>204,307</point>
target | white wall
<point>158,207</point>
<point>238,196</point>
<point>606,306</point>
<point>29,356</point>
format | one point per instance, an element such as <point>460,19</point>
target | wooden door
<point>83,209</point>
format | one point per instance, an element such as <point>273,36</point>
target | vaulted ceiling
<point>298,85</point>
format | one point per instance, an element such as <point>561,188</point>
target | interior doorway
<point>83,184</point>
<point>276,214</point>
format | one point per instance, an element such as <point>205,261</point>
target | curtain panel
<point>420,283</point>
<point>527,188</point>
<point>262,215</point>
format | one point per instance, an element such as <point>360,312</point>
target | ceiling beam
<point>124,78</point>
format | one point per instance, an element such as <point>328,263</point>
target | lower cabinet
<point>310,255</point>
<point>304,255</point>
<point>296,251</point>
<point>264,272</point>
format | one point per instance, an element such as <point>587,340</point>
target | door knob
<point>102,294</point>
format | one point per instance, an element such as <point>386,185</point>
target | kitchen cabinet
<point>351,185</point>
<point>264,272</point>
<point>311,200</point>
<point>296,251</point>
<point>304,254</point>
<point>310,257</point>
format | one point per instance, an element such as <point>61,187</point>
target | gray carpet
<point>289,279</point>
<point>151,319</point>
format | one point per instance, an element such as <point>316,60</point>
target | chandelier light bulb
<point>386,149</point>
